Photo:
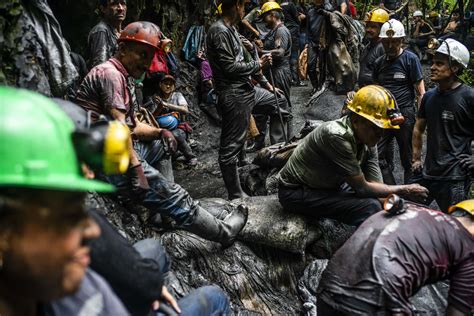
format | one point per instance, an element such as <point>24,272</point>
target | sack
<point>252,131</point>
<point>159,63</point>
<point>303,64</point>
<point>172,64</point>
<point>194,42</point>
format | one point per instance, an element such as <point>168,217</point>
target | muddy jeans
<point>235,106</point>
<point>183,145</point>
<point>265,108</point>
<point>403,137</point>
<point>343,206</point>
<point>445,192</point>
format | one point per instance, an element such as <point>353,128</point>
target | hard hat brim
<point>60,183</point>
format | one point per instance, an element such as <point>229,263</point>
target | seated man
<point>339,153</point>
<point>422,32</point>
<point>170,109</point>
<point>109,90</point>
<point>390,257</point>
<point>452,29</point>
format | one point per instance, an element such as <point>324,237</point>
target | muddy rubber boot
<point>223,231</point>
<point>230,175</point>
<point>276,130</point>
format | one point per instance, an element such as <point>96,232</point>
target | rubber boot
<point>243,161</point>
<point>230,175</point>
<point>223,231</point>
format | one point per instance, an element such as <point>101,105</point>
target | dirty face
<point>392,46</point>
<point>136,58</point>
<point>417,19</point>
<point>167,86</point>
<point>116,10</point>
<point>440,70</point>
<point>367,132</point>
<point>455,16</point>
<point>372,30</point>
<point>240,7</point>
<point>46,255</point>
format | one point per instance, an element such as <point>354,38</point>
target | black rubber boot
<point>223,231</point>
<point>230,175</point>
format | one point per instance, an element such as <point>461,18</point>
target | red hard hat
<point>141,32</point>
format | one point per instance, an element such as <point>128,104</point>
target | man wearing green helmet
<point>44,229</point>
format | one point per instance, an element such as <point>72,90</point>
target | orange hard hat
<point>141,32</point>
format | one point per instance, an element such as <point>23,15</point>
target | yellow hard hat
<point>269,6</point>
<point>433,14</point>
<point>377,16</point>
<point>376,104</point>
<point>467,205</point>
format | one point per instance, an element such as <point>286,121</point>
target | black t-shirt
<point>291,17</point>
<point>389,258</point>
<point>450,130</point>
<point>399,76</point>
<point>371,52</point>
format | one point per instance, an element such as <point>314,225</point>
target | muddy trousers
<point>403,137</point>
<point>265,109</point>
<point>282,77</point>
<point>444,192</point>
<point>343,206</point>
<point>183,146</point>
<point>235,105</point>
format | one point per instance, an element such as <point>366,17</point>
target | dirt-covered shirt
<point>371,52</point>
<point>101,43</point>
<point>450,129</point>
<point>389,258</point>
<point>279,38</point>
<point>106,87</point>
<point>327,156</point>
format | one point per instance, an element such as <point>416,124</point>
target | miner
<point>102,39</point>
<point>232,67</point>
<point>399,71</point>
<point>109,90</point>
<point>334,171</point>
<point>390,257</point>
<point>447,113</point>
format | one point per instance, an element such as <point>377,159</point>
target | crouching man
<point>389,258</point>
<point>341,154</point>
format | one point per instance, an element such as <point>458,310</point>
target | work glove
<point>169,141</point>
<point>467,163</point>
<point>186,127</point>
<point>138,183</point>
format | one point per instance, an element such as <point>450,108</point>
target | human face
<point>367,132</point>
<point>455,16</point>
<point>167,86</point>
<point>440,70</point>
<point>240,6</point>
<point>116,10</point>
<point>392,46</point>
<point>47,255</point>
<point>417,19</point>
<point>137,59</point>
<point>372,30</point>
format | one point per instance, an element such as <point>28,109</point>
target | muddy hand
<point>170,142</point>
<point>467,163</point>
<point>265,60</point>
<point>417,192</point>
<point>417,166</point>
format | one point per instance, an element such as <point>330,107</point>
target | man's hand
<point>415,192</point>
<point>168,298</point>
<point>467,163</point>
<point>417,165</point>
<point>259,43</point>
<point>265,60</point>
<point>169,141</point>
<point>247,44</point>
<point>278,90</point>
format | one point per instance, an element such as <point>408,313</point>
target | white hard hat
<point>392,29</point>
<point>417,13</point>
<point>456,51</point>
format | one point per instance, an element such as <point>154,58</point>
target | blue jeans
<point>204,301</point>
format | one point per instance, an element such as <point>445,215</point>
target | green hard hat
<point>36,149</point>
